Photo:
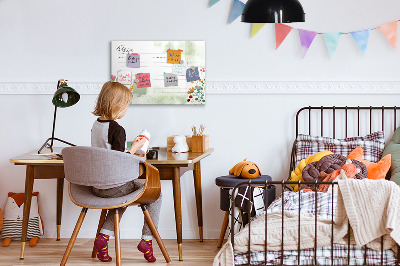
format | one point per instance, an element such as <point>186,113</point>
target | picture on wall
<point>160,72</point>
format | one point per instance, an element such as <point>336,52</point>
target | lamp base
<point>50,146</point>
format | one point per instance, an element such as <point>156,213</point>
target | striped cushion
<point>13,228</point>
<point>372,145</point>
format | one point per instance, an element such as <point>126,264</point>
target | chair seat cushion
<point>83,195</point>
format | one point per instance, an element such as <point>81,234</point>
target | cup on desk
<point>152,155</point>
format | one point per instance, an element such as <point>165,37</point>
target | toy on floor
<point>245,169</point>
<point>13,215</point>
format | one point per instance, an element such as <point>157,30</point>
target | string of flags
<point>361,37</point>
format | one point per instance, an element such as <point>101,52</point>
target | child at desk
<point>112,103</point>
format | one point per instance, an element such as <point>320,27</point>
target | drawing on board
<point>160,72</point>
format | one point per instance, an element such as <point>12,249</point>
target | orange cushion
<point>375,170</point>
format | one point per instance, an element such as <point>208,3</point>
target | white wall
<point>43,41</point>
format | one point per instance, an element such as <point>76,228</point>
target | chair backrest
<point>92,166</point>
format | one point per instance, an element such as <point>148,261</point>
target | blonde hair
<point>112,99</point>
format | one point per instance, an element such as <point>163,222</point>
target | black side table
<point>226,183</point>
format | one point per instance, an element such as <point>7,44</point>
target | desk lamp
<point>64,96</point>
<point>272,11</point>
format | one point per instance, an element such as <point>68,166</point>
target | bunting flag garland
<point>361,37</point>
<point>389,30</point>
<point>256,27</point>
<point>332,41</point>
<point>237,9</point>
<point>306,39</point>
<point>281,31</point>
<point>213,2</point>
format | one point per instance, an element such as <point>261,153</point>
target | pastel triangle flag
<point>361,37</point>
<point>213,2</point>
<point>332,41</point>
<point>256,28</point>
<point>306,39</point>
<point>237,9</point>
<point>389,30</point>
<point>281,31</point>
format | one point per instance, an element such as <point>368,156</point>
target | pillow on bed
<point>393,148</point>
<point>372,145</point>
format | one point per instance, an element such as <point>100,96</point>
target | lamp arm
<point>54,126</point>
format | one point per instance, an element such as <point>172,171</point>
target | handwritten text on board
<point>125,77</point>
<point>144,80</point>
<point>174,56</point>
<point>179,69</point>
<point>133,60</point>
<point>192,74</point>
<point>170,80</point>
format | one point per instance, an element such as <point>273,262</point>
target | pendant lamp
<point>272,11</point>
<point>64,96</point>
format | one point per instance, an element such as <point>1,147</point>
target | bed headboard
<point>344,121</point>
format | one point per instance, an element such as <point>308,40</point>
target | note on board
<point>174,56</point>
<point>179,70</point>
<point>133,60</point>
<point>144,80</point>
<point>125,77</point>
<point>170,80</point>
<point>192,74</point>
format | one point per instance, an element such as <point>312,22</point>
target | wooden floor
<point>50,252</point>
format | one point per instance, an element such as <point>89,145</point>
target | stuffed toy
<point>180,144</point>
<point>1,220</point>
<point>245,169</point>
<point>375,170</point>
<point>13,215</point>
<point>296,174</point>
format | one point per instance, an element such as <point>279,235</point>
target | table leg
<point>60,190</point>
<point>199,204</point>
<point>176,183</point>
<point>27,206</point>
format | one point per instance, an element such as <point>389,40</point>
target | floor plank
<point>49,252</point>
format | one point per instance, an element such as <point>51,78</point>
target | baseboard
<point>231,87</point>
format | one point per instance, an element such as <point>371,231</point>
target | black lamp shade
<point>65,96</point>
<point>273,11</point>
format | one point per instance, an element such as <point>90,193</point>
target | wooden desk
<point>171,167</point>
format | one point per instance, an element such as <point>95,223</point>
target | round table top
<point>230,181</point>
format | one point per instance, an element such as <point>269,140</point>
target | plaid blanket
<point>323,205</point>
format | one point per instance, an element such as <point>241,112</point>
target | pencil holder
<point>200,143</point>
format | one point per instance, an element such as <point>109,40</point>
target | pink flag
<point>306,39</point>
<point>281,31</point>
<point>389,30</point>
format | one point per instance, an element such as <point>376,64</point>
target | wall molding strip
<point>232,87</point>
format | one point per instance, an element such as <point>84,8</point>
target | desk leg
<point>176,182</point>
<point>199,204</point>
<point>60,190</point>
<point>27,206</point>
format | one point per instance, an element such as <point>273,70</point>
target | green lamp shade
<point>65,96</point>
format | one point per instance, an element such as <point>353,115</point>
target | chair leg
<point>101,222</point>
<point>117,239</point>
<point>223,229</point>
<point>73,237</point>
<point>154,230</point>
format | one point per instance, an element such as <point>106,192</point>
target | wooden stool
<point>226,183</point>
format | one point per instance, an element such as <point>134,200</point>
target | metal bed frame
<point>283,184</point>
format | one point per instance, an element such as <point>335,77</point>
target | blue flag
<point>237,9</point>
<point>361,38</point>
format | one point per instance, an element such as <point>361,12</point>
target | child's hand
<point>137,144</point>
<point>143,155</point>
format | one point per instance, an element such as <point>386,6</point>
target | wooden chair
<point>85,167</point>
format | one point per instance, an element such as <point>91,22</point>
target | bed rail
<point>265,185</point>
